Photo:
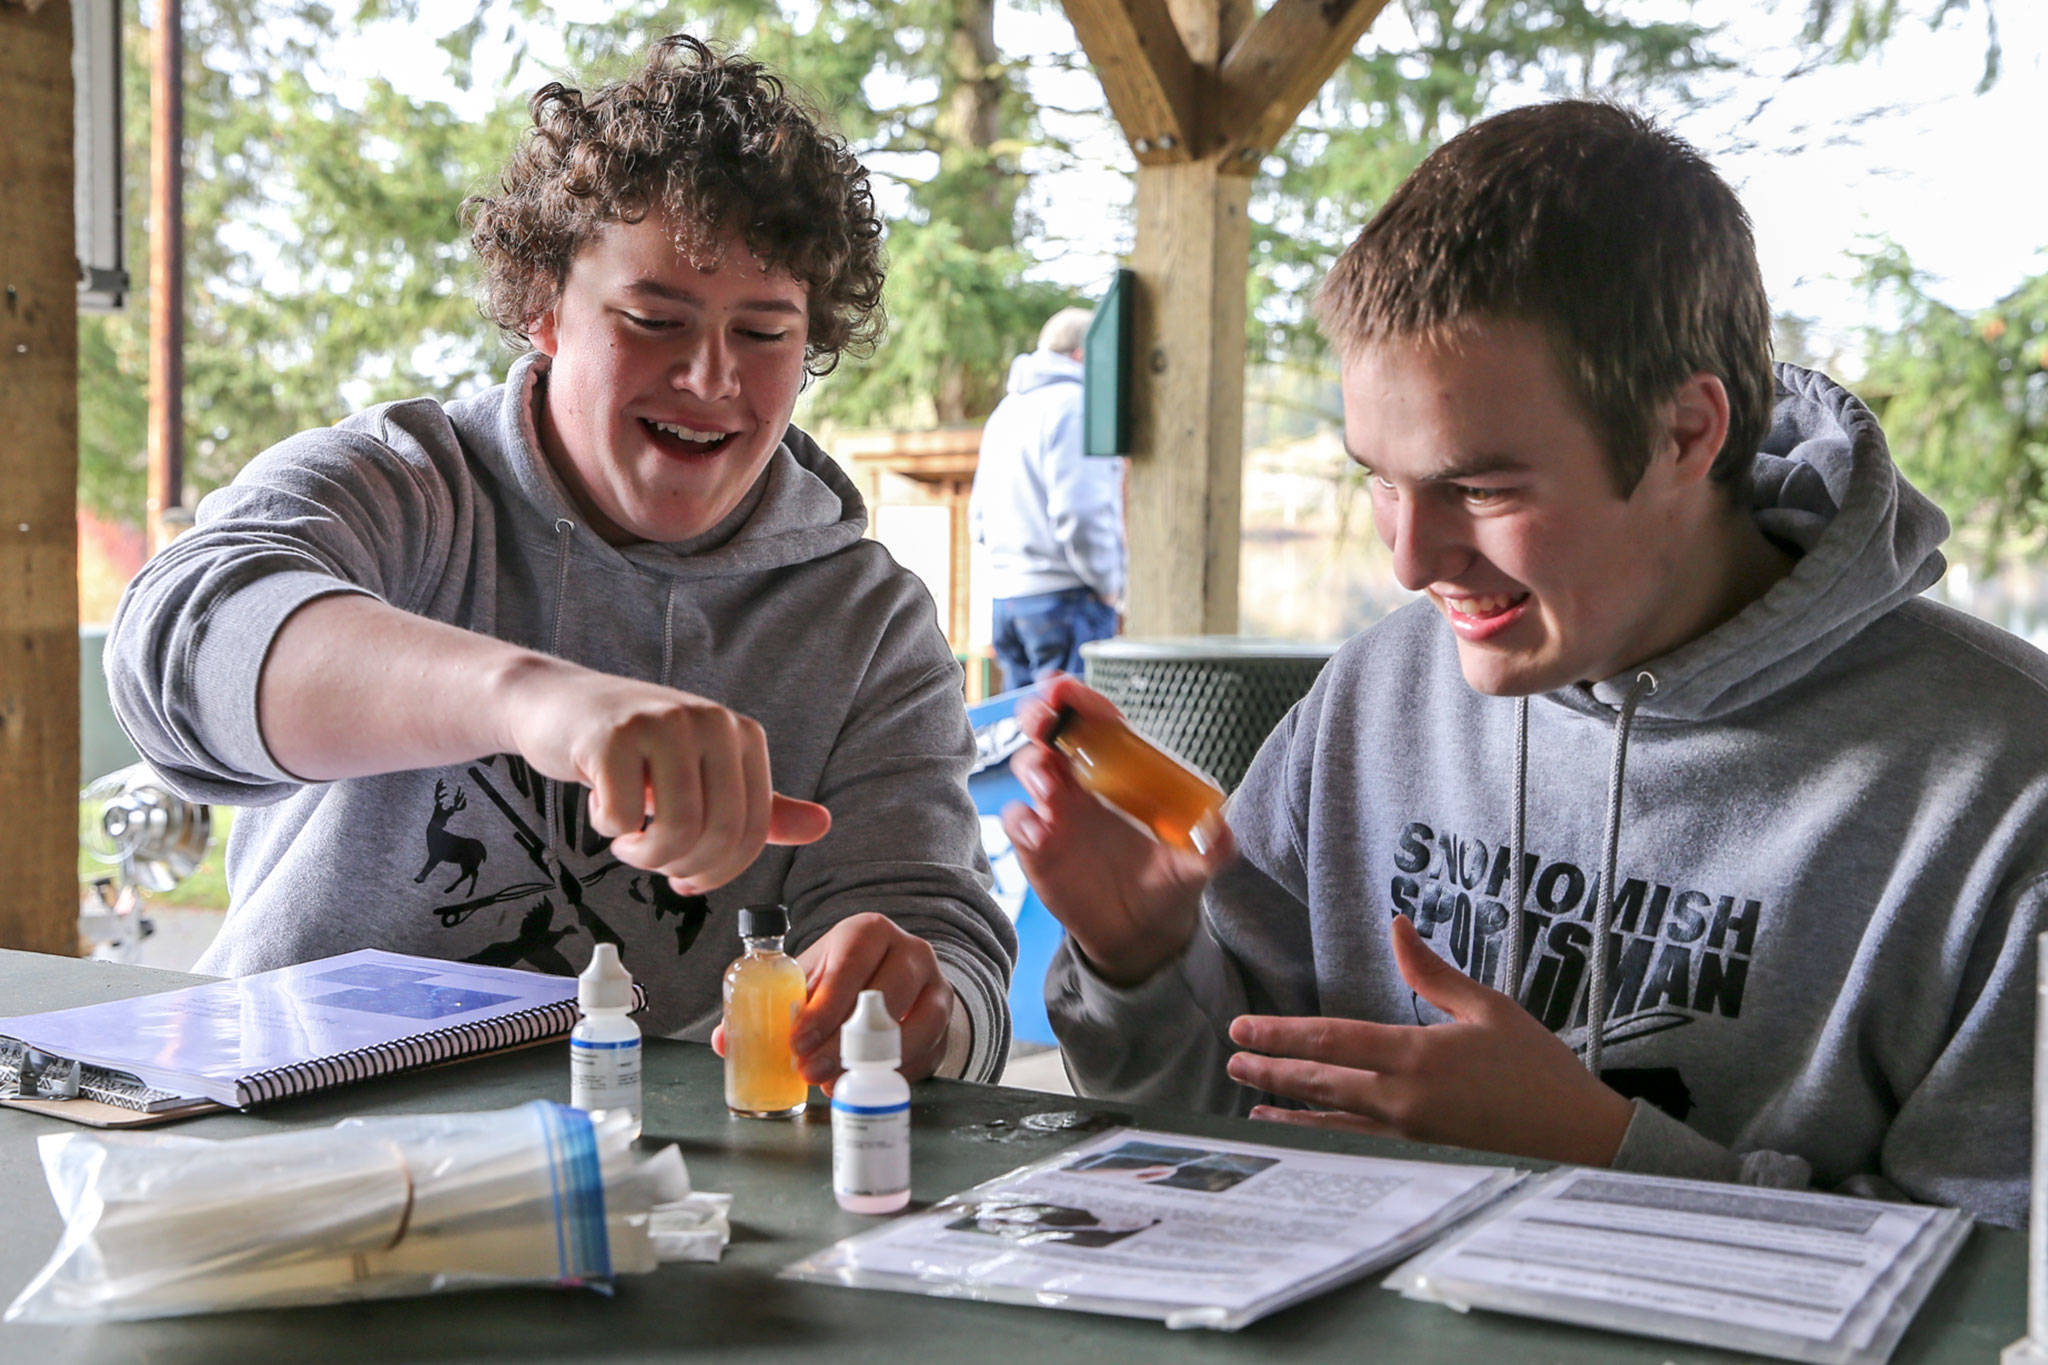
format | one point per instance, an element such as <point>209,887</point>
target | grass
<point>205,889</point>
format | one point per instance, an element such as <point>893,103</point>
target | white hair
<point>1065,330</point>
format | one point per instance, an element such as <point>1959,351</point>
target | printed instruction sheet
<point>1752,1268</point>
<point>1198,1231</point>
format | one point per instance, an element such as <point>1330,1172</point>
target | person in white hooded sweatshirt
<point>1051,517</point>
<point>1673,830</point>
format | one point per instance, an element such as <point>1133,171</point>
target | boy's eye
<point>1480,497</point>
<point>762,336</point>
<point>647,324</point>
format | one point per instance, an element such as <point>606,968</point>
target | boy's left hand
<point>1493,1078</point>
<point>868,952</point>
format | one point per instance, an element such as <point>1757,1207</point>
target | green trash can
<point>1211,700</point>
<point>102,746</point>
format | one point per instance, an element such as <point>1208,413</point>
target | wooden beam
<point>165,513</point>
<point>1247,82</point>
<point>1186,473</point>
<point>1272,73</point>
<point>1186,476</point>
<point>38,487</point>
<point>1146,74</point>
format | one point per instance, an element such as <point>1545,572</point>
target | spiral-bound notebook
<point>247,1040</point>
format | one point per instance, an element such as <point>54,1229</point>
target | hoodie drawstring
<point>1511,959</point>
<point>1644,685</point>
<point>564,528</point>
<point>1603,923</point>
<point>668,636</point>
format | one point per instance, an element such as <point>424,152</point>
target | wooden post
<point>166,490</point>
<point>38,486</point>
<point>1186,477</point>
<point>1191,257</point>
<point>1202,93</point>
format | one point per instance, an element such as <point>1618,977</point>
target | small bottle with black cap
<point>764,990</point>
<point>1177,805</point>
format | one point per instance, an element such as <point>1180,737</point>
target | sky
<point>1947,173</point>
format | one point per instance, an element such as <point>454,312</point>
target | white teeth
<point>685,434</point>
<point>1481,606</point>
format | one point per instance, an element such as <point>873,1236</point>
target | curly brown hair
<point>714,141</point>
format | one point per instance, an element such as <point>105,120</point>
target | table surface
<point>779,1175</point>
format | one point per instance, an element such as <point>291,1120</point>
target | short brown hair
<point>714,141</point>
<point>1613,236</point>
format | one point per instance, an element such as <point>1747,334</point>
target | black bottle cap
<point>764,921</point>
<point>1061,719</point>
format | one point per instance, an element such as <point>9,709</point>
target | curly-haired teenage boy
<point>1673,741</point>
<point>600,654</point>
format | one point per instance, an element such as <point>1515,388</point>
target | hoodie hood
<point>803,507</point>
<point>1825,487</point>
<point>1036,369</point>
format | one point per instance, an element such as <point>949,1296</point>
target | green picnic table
<point>779,1176</point>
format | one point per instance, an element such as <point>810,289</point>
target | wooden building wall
<point>38,485</point>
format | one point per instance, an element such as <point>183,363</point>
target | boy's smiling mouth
<point>687,442</point>
<point>1481,615</point>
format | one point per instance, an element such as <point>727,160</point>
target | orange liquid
<point>1181,807</point>
<point>763,992</point>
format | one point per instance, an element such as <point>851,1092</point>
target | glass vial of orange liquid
<point>764,990</point>
<point>1182,808</point>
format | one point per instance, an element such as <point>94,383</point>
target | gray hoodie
<point>783,612</point>
<point>1831,865</point>
<point>1051,517</point>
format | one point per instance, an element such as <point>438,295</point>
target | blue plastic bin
<point>1038,933</point>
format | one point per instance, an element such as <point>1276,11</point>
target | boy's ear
<point>1696,426</point>
<point>541,332</point>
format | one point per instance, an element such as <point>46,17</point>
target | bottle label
<point>870,1148</point>
<point>604,1075</point>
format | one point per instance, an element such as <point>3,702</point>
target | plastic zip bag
<point>164,1225</point>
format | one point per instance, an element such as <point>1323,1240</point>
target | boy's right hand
<point>1130,902</point>
<point>679,783</point>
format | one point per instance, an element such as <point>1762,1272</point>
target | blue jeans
<point>1043,633</point>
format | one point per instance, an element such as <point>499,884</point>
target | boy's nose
<point>1426,548</point>
<point>706,371</point>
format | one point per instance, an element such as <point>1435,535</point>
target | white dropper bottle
<point>871,1113</point>
<point>604,1047</point>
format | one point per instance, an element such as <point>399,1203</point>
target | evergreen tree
<point>1964,402</point>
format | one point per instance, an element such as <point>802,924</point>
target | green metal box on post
<point>1106,372</point>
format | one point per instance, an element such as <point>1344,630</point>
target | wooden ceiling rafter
<point>1173,109</point>
<point>1276,68</point>
<point>1146,74</point>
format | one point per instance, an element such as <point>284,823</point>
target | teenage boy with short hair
<point>601,653</point>
<point>1673,692</point>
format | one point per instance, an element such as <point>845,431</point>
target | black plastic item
<point>1209,700</point>
<point>764,921</point>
